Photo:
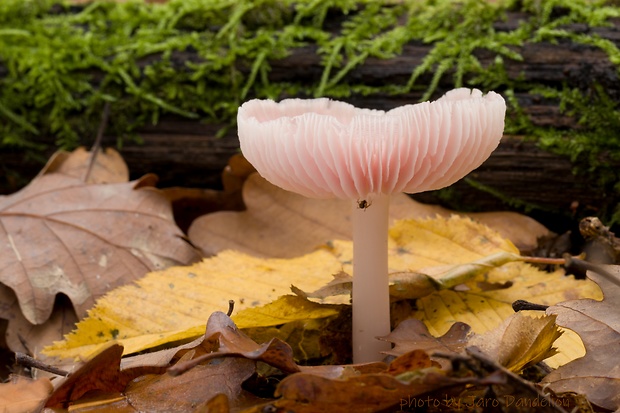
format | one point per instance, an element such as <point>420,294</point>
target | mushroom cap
<point>323,148</point>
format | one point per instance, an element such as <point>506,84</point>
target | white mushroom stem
<point>371,298</point>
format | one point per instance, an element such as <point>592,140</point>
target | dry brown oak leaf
<point>60,235</point>
<point>100,382</point>
<point>597,374</point>
<point>234,352</point>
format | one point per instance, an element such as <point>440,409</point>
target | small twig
<point>572,262</point>
<point>27,361</point>
<point>231,307</point>
<point>544,260</point>
<point>521,305</point>
<point>95,149</point>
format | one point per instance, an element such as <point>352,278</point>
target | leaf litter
<point>440,233</point>
<point>207,286</point>
<point>227,359</point>
<point>450,368</point>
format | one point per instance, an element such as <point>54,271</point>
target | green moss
<point>200,59</point>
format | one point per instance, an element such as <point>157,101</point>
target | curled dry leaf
<point>220,329</point>
<point>102,372</point>
<point>519,341</point>
<point>141,383</point>
<point>597,374</point>
<point>59,235</point>
<point>233,343</point>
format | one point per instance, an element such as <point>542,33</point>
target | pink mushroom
<point>322,148</point>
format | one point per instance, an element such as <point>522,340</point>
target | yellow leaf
<point>174,304</point>
<point>293,319</point>
<point>284,310</point>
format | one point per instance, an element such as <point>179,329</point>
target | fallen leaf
<point>374,392</point>
<point>411,335</point>
<point>216,363</point>
<point>302,223</point>
<point>24,337</point>
<point>23,395</point>
<point>278,223</point>
<point>221,334</point>
<point>506,391</point>
<point>275,352</point>
<point>140,382</point>
<point>166,393</point>
<point>232,342</point>
<point>108,166</point>
<point>59,235</point>
<point>102,372</point>
<point>284,310</point>
<point>597,374</point>
<point>192,292</point>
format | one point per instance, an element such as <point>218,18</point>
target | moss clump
<point>200,59</point>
